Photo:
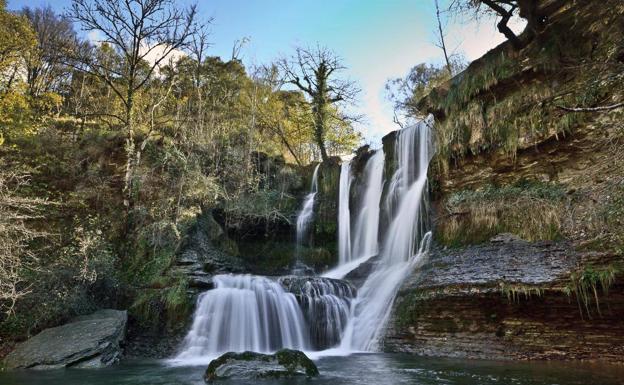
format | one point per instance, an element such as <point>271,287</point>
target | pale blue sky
<point>378,39</point>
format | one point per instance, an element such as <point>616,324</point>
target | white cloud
<point>158,51</point>
<point>94,37</point>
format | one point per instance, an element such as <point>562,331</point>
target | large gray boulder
<point>90,341</point>
<point>251,366</point>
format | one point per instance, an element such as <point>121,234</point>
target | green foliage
<point>514,292</point>
<point>166,306</point>
<point>585,284</point>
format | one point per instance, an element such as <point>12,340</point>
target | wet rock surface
<point>89,341</point>
<point>250,365</point>
<point>205,252</point>
<point>507,299</point>
<point>504,258</point>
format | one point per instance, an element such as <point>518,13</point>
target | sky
<point>377,39</point>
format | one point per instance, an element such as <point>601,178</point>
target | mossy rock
<point>251,365</point>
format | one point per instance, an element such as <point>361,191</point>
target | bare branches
<point>15,256</point>
<point>140,31</point>
<point>315,73</point>
<point>505,9</point>
<point>591,109</point>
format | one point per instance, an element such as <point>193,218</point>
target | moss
<point>514,292</point>
<point>409,307</point>
<point>166,304</point>
<point>291,359</point>
<point>508,99</point>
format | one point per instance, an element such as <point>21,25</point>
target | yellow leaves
<point>14,110</point>
<point>16,38</point>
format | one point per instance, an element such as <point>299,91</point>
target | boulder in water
<point>89,341</point>
<point>251,365</point>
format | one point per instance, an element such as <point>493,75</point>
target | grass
<point>514,292</point>
<point>530,209</point>
<point>587,283</point>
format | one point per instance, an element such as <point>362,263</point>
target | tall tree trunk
<point>130,161</point>
<point>319,132</point>
<point>442,42</point>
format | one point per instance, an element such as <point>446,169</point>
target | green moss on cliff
<point>508,100</point>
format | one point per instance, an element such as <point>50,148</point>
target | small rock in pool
<point>251,365</point>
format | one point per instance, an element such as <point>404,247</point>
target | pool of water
<point>359,369</point>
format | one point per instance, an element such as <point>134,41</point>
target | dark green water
<point>364,369</point>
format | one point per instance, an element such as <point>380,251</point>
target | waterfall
<point>344,214</point>
<point>244,312</point>
<point>247,312</point>
<point>407,204</point>
<point>306,215</point>
<point>326,306</point>
<point>364,244</point>
<point>365,240</point>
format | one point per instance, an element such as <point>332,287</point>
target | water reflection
<point>360,369</point>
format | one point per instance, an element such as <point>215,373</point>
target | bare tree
<point>45,69</point>
<point>532,11</point>
<point>441,41</point>
<point>144,33</point>
<point>16,258</point>
<point>315,73</point>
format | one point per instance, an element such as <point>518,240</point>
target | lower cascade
<point>244,312</point>
<point>253,313</point>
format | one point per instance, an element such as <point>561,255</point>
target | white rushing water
<point>254,313</point>
<point>306,215</point>
<point>344,214</point>
<point>366,232</point>
<point>244,312</point>
<point>399,255</point>
<point>326,305</point>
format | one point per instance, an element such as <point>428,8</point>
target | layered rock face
<point>511,299</point>
<point>90,341</point>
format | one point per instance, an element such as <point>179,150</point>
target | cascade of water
<point>244,312</point>
<point>326,305</point>
<point>407,206</point>
<point>344,214</point>
<point>365,240</point>
<point>254,313</point>
<point>307,211</point>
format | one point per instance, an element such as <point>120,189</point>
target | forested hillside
<point>108,155</point>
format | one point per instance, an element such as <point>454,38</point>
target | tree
<point>15,256</point>
<point>406,92</point>
<point>530,10</point>
<point>144,34</point>
<point>45,68</point>
<point>16,38</point>
<point>315,73</point>
<point>441,39</point>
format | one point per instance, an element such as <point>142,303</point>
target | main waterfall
<point>247,312</point>
<point>399,255</point>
